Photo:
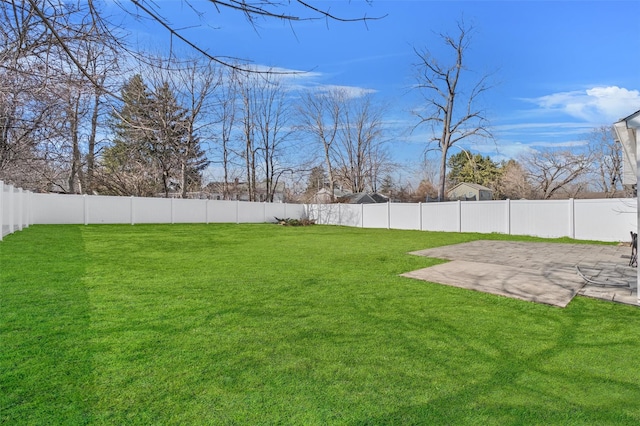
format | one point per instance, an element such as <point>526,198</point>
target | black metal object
<point>634,250</point>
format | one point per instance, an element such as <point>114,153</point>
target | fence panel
<point>327,214</point>
<point>105,209</point>
<point>251,212</point>
<point>273,210</point>
<point>350,214</point>
<point>150,210</point>
<point>484,217</point>
<point>222,211</point>
<point>5,208</point>
<point>375,215</point>
<point>57,209</point>
<point>405,216</point>
<point>297,211</point>
<point>188,211</point>
<point>441,216</point>
<point>541,218</point>
<point>605,220</point>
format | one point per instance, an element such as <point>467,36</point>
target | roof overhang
<point>626,134</point>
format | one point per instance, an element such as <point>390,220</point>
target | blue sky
<point>561,68</point>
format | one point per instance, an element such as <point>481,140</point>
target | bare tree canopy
<point>450,97</point>
<point>62,22</point>
<point>349,132</point>
<point>61,66</point>
<point>553,172</point>
<point>607,160</point>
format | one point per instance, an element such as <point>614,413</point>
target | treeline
<point>78,117</point>
<point>80,112</point>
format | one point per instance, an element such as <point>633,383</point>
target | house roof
<point>625,131</point>
<point>471,185</point>
<point>363,198</point>
<point>630,117</point>
<point>337,192</point>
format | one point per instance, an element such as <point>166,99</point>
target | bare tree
<point>607,160</point>
<point>225,117</point>
<point>552,172</point>
<point>51,15</point>
<point>248,136</point>
<point>272,121</point>
<point>450,101</point>
<point>359,154</point>
<point>45,98</point>
<point>349,131</point>
<point>320,115</point>
<point>513,182</point>
<point>265,121</point>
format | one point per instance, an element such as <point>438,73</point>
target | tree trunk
<point>443,174</point>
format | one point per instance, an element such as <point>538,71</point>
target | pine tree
<point>465,167</point>
<point>129,168</point>
<point>154,149</point>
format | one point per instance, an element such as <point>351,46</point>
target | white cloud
<point>597,105</point>
<point>349,91</point>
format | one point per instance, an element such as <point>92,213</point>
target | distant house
<point>363,198</point>
<point>626,134</point>
<point>238,190</point>
<point>470,192</point>
<point>324,196</point>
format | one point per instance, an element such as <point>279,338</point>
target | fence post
<point>10,201</point>
<point>19,209</point>
<point>508,230</point>
<point>131,211</point>
<point>1,208</point>
<point>459,216</point>
<point>86,209</point>
<point>237,211</point>
<point>572,219</point>
<point>27,221</point>
<point>172,208</point>
<point>30,208</point>
<point>420,213</point>
<point>206,211</point>
<point>388,214</point>
<point>361,215</point>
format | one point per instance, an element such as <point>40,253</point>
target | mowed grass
<point>262,324</point>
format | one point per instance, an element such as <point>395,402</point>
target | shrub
<point>295,222</point>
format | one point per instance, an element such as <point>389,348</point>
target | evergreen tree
<point>154,148</point>
<point>128,163</point>
<point>170,134</point>
<point>178,149</point>
<point>465,167</point>
<point>387,185</point>
<point>317,180</point>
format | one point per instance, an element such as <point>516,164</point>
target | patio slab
<point>537,272</point>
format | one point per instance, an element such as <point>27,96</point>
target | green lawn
<point>263,324</point>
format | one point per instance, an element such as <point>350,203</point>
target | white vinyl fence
<point>601,219</point>
<point>96,209</point>
<point>14,209</point>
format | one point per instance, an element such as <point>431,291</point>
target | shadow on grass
<point>45,361</point>
<point>520,385</point>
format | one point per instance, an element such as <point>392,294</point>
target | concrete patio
<point>539,272</point>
